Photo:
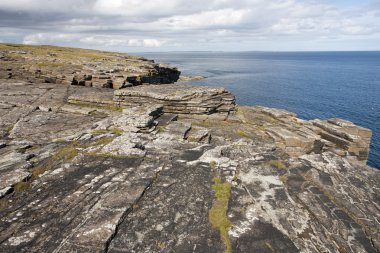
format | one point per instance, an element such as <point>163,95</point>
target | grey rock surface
<point>100,178</point>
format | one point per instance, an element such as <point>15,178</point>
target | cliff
<point>169,168</point>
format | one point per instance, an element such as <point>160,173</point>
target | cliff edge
<point>152,166</point>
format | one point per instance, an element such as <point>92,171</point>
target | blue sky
<point>175,25</point>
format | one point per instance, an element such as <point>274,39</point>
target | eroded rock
<point>140,179</point>
<point>183,99</point>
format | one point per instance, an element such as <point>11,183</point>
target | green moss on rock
<point>218,212</point>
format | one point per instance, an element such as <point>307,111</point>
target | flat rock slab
<point>277,113</point>
<point>85,95</point>
<point>178,129</point>
<point>12,177</point>
<point>77,109</point>
<point>199,134</point>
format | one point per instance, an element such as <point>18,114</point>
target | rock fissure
<point>127,212</point>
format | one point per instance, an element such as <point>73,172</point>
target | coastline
<point>100,160</point>
<point>315,86</point>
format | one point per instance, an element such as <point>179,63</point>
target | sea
<point>312,84</point>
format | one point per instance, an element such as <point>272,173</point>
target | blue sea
<point>312,84</point>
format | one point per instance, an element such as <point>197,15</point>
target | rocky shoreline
<point>151,166</point>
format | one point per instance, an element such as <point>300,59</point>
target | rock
<point>104,73</point>
<point>297,137</point>
<point>12,177</point>
<point>128,145</point>
<point>199,134</point>
<point>276,113</point>
<point>346,136</point>
<point>191,78</point>
<point>141,117</point>
<point>77,109</point>
<point>291,142</point>
<point>142,179</point>
<point>2,144</point>
<point>181,99</point>
<point>94,96</point>
<point>178,129</point>
<point>166,118</point>
<point>5,191</point>
<point>118,83</point>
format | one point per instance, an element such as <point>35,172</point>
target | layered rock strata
<point>183,99</point>
<point>298,137</point>
<point>48,64</point>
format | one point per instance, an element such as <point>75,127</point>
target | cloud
<point>188,25</point>
<point>119,41</point>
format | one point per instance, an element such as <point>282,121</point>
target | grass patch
<point>242,134</point>
<point>12,45</point>
<point>100,132</point>
<point>67,153</point>
<point>284,178</point>
<point>278,164</point>
<point>161,245</point>
<point>51,64</point>
<point>114,108</point>
<point>3,204</point>
<point>114,130</point>
<point>40,170</point>
<point>103,141</point>
<point>218,212</point>
<point>213,165</point>
<point>21,186</point>
<point>203,123</point>
<point>161,129</point>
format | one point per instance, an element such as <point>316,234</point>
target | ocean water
<point>312,84</point>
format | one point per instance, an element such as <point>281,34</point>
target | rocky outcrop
<point>183,99</point>
<point>79,173</point>
<point>298,137</point>
<point>48,64</point>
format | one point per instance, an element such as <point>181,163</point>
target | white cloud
<point>217,18</point>
<point>43,38</point>
<point>112,41</point>
<point>193,25</point>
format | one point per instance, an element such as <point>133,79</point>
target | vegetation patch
<point>114,130</point>
<point>103,141</point>
<point>218,212</point>
<point>67,153</point>
<point>108,107</point>
<point>242,134</point>
<point>3,204</point>
<point>21,186</point>
<point>278,164</point>
<point>51,64</point>
<point>100,131</point>
<point>213,165</point>
<point>40,170</point>
<point>114,108</point>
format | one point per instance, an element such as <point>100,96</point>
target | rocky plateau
<point>103,152</point>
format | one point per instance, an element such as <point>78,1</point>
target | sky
<point>194,25</point>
